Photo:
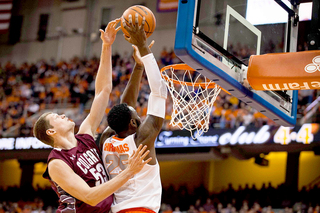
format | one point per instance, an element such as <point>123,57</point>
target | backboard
<point>217,37</point>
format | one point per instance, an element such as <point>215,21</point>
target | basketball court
<point>248,48</point>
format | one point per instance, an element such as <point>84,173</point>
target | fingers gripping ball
<point>142,11</point>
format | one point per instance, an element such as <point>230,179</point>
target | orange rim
<point>187,67</point>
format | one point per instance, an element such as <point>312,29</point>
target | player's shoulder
<point>115,138</point>
<point>107,133</point>
<point>86,140</point>
<point>84,136</point>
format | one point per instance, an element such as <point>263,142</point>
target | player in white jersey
<point>125,133</point>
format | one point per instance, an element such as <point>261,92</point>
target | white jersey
<point>142,190</point>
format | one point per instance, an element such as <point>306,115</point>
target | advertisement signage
<point>242,135</point>
<point>306,134</point>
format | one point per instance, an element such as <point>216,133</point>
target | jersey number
<point>116,164</point>
<point>99,174</point>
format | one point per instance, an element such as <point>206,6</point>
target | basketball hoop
<point>193,96</point>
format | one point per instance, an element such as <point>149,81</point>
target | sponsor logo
<point>73,157</point>
<point>292,86</point>
<point>242,136</point>
<point>305,135</point>
<point>314,66</point>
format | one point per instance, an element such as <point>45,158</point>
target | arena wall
<point>73,30</point>
<point>214,175</point>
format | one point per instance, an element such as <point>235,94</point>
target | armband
<point>156,106</point>
<point>156,83</point>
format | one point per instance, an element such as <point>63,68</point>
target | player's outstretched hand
<point>109,34</point>
<point>136,161</point>
<point>136,54</point>
<point>137,34</point>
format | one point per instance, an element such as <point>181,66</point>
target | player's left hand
<point>109,34</point>
<point>136,54</point>
<point>137,160</point>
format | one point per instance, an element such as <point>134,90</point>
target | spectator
<point>201,210</point>
<point>176,210</point>
<point>167,208</point>
<point>192,209</point>
<point>269,209</point>
<point>197,205</point>
<point>51,84</point>
<point>244,207</point>
<point>247,117</point>
<point>208,206</point>
<point>219,208</point>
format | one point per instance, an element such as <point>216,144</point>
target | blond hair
<point>40,128</point>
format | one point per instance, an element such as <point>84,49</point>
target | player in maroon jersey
<point>74,167</point>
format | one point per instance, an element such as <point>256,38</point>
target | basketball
<point>142,11</point>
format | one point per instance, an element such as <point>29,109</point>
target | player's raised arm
<point>150,128</point>
<point>103,83</point>
<point>131,92</point>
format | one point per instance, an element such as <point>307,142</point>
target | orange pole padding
<point>285,71</point>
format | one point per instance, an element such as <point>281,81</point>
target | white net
<point>193,97</point>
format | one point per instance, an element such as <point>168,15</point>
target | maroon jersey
<point>85,161</point>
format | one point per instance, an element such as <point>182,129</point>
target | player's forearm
<point>158,96</point>
<point>144,49</point>
<point>97,194</point>
<point>153,74</point>
<point>104,75</point>
<point>131,92</point>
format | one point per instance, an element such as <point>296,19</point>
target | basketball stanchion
<point>193,96</point>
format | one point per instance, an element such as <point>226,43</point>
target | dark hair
<point>40,128</point>
<point>119,117</point>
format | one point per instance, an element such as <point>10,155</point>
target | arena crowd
<point>29,88</point>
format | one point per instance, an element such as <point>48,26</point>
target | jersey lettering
<point>92,156</point>
<point>126,147</point>
<point>84,170</point>
<point>87,159</point>
<point>120,149</point>
<point>94,151</point>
